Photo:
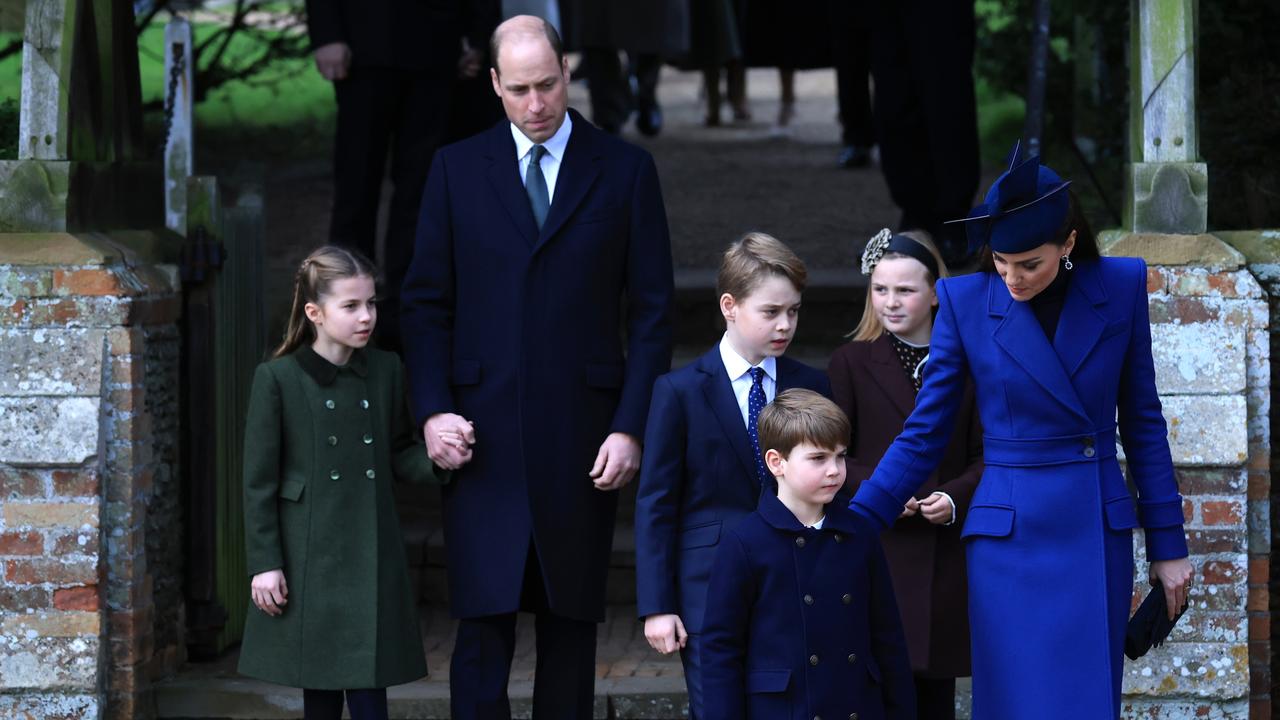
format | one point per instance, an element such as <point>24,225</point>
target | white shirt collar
<point>737,366</point>
<point>555,145</point>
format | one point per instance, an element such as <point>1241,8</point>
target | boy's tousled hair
<point>752,259</point>
<point>870,327</point>
<point>314,277</point>
<point>802,416</point>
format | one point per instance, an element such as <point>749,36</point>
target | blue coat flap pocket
<point>465,372</point>
<point>768,681</point>
<point>700,535</point>
<point>989,521</point>
<point>604,375</point>
<point>291,489</point>
<point>1122,514</point>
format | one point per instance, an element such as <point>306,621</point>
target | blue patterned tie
<point>535,184</point>
<point>756,403</point>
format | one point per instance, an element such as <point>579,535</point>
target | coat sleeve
<point>730,596</point>
<point>650,288</point>
<point>1146,438</point>
<point>658,502</point>
<point>962,487</point>
<point>427,301</point>
<point>325,22</point>
<point>914,455</point>
<point>888,643</point>
<point>409,459</point>
<point>263,447</point>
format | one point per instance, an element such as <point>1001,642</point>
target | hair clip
<point>874,250</point>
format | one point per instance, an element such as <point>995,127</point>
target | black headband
<point>904,245</point>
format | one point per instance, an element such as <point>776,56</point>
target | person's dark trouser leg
<point>852,55</point>
<point>366,111</point>
<point>935,698</point>
<point>691,659</point>
<point>481,667</point>
<point>322,704</point>
<point>564,684</point>
<point>610,91</point>
<point>646,67</point>
<point>367,704</point>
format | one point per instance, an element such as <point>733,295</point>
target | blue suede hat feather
<point>1024,209</point>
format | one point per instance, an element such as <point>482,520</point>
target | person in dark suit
<point>875,379</point>
<point>702,469</point>
<point>534,237</point>
<point>851,54</point>
<point>392,64</point>
<point>801,622</point>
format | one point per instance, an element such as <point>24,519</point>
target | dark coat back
<point>521,332</point>
<point>660,27</point>
<point>926,560</point>
<point>697,479</point>
<point>405,34</point>
<point>801,623</point>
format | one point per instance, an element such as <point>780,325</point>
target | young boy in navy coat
<point>801,620</point>
<point>702,469</point>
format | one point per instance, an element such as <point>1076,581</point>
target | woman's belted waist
<point>1086,447</point>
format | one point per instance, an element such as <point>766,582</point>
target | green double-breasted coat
<point>322,445</point>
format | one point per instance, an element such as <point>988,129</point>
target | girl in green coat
<point>327,430</point>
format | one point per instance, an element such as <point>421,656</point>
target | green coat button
<point>335,475</point>
<point>364,404</point>
<point>368,439</point>
<point>369,474</point>
<point>333,440</point>
<point>329,404</point>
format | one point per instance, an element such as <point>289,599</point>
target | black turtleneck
<point>1047,305</point>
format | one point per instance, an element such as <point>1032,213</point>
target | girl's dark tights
<point>327,704</point>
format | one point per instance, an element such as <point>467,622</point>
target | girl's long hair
<point>870,327</point>
<point>315,275</point>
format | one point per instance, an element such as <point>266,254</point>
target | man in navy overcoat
<point>541,243</point>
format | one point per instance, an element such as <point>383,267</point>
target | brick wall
<point>89,514</point>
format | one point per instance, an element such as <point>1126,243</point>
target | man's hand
<point>911,508</point>
<point>665,633</point>
<point>333,61</point>
<point>469,61</point>
<point>1175,578</point>
<point>617,462</point>
<point>269,591</point>
<point>449,439</point>
<point>937,508</point>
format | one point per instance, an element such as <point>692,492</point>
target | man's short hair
<point>754,258</point>
<point>799,416</point>
<point>553,39</point>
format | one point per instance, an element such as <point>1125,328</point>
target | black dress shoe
<point>649,120</point>
<point>854,156</point>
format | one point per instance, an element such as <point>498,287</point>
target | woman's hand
<point>1175,578</point>
<point>269,591</point>
<point>938,509</point>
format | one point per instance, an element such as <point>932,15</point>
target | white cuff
<point>952,521</point>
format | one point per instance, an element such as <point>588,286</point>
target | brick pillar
<point>89,528</point>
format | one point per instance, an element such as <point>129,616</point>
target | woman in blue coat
<point>1058,343</point>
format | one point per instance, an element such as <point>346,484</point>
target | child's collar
<point>838,518</point>
<point>325,372</point>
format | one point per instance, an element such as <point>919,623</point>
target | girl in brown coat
<point>874,379</point>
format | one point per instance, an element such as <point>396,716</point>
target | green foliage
<point>9,129</point>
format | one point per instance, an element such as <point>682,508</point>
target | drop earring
<point>1066,262</point>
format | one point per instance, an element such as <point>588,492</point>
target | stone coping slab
<point>1204,250</point>
<point>81,249</point>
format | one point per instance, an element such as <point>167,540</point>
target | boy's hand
<point>617,462</point>
<point>665,633</point>
<point>938,509</point>
<point>911,508</point>
<point>269,591</point>
<point>449,439</point>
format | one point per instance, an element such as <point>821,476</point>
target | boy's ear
<point>774,461</point>
<point>728,307</point>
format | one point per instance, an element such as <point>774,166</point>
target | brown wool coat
<point>926,561</point>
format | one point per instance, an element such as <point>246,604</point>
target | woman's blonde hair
<point>870,327</point>
<point>314,277</point>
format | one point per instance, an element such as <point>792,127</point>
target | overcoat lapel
<point>579,169</point>
<point>1019,334</point>
<point>886,369</point>
<point>718,391</point>
<point>1081,325</point>
<point>504,177</point>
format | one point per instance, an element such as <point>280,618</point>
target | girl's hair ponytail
<point>321,268</point>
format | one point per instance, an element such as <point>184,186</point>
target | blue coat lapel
<point>504,176</point>
<point>718,391</point>
<point>1019,334</point>
<point>1081,325</point>
<point>579,169</point>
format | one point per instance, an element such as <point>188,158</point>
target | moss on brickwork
<point>35,195</point>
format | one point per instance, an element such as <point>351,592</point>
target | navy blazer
<point>521,330</point>
<point>697,476</point>
<point>802,623</point>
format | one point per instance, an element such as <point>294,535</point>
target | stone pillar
<point>90,536</point>
<point>179,147</point>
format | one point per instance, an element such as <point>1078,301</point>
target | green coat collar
<point>325,372</point>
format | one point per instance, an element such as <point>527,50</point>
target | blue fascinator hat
<point>1024,209</point>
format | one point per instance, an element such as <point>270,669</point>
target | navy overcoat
<point>697,478</point>
<point>1049,530</point>
<point>801,623</point>
<point>522,332</point>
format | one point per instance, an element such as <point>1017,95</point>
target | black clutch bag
<point>1150,624</point>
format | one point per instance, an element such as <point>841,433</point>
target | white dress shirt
<point>740,376</point>
<point>555,147</point>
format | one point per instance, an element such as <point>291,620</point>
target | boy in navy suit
<point>702,468</point>
<point>801,620</point>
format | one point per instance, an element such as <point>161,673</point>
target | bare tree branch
<point>151,14</point>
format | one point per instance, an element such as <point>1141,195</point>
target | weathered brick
<point>1203,542</point>
<point>1222,512</point>
<point>1211,481</point>
<point>73,623</point>
<point>92,281</point>
<point>25,282</point>
<point>1259,627</point>
<point>51,514</point>
<point>37,362</point>
<point>125,340</point>
<point>1199,358</point>
<point>125,399</point>
<point>1155,280</point>
<point>80,598</point>
<point>81,482</point>
<point>1260,708</point>
<point>57,572</point>
<point>55,705</point>
<point>1207,429</point>
<point>1259,484</point>
<point>20,599</point>
<point>1257,599</point>
<point>21,543</point>
<point>1188,510</point>
<point>76,543</point>
<point>1216,572</point>
<point>18,483</point>
<point>1259,569</point>
<point>124,371</point>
